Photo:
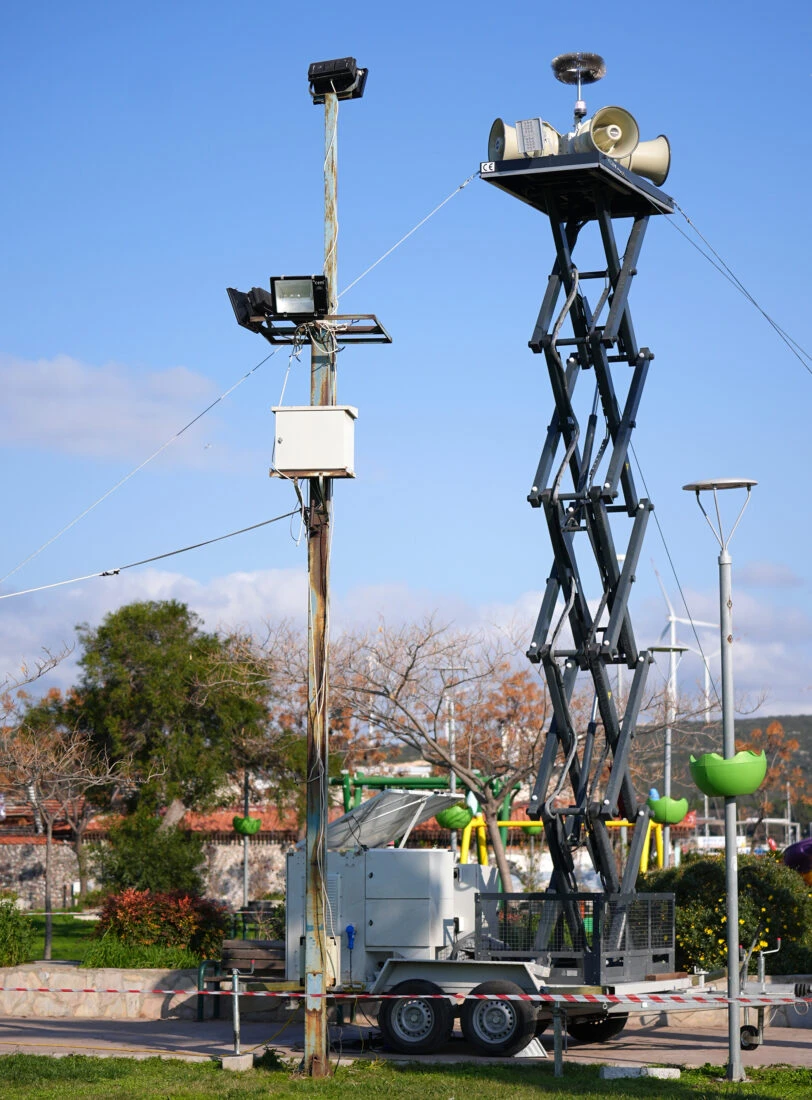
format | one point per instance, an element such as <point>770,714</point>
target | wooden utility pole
<point>319,509</point>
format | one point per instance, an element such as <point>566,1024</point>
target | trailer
<point>424,940</point>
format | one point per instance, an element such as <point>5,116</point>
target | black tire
<point>497,1026</point>
<point>416,1025</point>
<point>749,1038</point>
<point>596,1029</point>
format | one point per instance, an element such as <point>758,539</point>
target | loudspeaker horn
<point>651,159</point>
<point>611,130</point>
<point>503,143</point>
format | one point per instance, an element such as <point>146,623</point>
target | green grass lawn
<point>71,936</point>
<point>40,1078</point>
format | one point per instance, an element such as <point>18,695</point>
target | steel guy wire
<point>226,393</point>
<point>146,561</point>
<point>674,572</point>
<point>138,468</point>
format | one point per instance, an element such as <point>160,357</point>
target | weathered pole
<point>322,392</point>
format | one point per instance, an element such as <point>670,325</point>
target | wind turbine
<point>675,651</point>
<point>675,647</point>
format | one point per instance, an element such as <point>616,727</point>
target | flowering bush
<point>141,918</point>
<point>773,902</point>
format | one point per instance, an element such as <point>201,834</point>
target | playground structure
<point>476,828</point>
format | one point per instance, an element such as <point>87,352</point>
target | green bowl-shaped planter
<point>667,810</point>
<point>247,826</point>
<point>742,774</point>
<point>455,817</point>
<point>533,830</point>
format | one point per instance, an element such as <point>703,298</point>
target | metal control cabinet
<point>405,902</point>
<point>314,441</point>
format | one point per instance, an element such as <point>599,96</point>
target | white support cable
<point>422,222</point>
<point>146,561</point>
<point>136,469</point>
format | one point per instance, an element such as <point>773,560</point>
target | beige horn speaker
<point>502,142</point>
<point>611,130</point>
<point>651,159</point>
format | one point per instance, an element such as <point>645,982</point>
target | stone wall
<point>22,869</point>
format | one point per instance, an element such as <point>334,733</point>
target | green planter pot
<point>668,811</point>
<point>534,830</point>
<point>742,774</point>
<point>455,817</point>
<point>247,826</point>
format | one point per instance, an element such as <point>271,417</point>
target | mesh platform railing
<point>586,938</point>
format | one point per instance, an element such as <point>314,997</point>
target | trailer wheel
<point>418,1024</point>
<point>749,1037</point>
<point>596,1029</point>
<point>497,1026</point>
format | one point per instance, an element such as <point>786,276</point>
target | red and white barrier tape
<point>539,998</point>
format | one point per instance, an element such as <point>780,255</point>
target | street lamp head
<point>716,485</point>
<point>720,483</point>
<point>341,76</point>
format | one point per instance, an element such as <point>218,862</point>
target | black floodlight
<point>299,297</point>
<point>250,309</point>
<point>341,76</point>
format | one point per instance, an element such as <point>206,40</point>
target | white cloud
<point>113,411</point>
<point>767,574</point>
<point>771,655</point>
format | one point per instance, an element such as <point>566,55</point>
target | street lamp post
<point>735,1071</point>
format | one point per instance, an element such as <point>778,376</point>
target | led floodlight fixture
<point>301,297</point>
<point>341,76</point>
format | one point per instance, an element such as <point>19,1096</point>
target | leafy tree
<point>142,854</point>
<point>785,771</point>
<point>147,692</point>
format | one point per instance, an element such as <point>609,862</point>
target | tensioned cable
<point>422,222</point>
<point>674,572</point>
<point>222,397</point>
<point>137,468</point>
<point>723,268</point>
<point>155,557</point>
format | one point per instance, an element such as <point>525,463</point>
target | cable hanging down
<point>156,557</point>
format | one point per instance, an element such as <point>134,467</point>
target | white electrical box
<point>314,441</point>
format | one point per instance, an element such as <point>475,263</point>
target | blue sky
<point>155,155</point>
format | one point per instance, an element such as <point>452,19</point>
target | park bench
<point>256,961</point>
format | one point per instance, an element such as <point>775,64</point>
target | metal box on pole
<point>315,441</point>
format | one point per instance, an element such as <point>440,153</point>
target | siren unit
<point>612,131</point>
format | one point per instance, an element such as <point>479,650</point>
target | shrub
<point>773,902</point>
<point>142,918</point>
<point>17,934</point>
<point>108,950</point>
<point>142,855</point>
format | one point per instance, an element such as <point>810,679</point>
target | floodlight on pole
<point>735,1071</point>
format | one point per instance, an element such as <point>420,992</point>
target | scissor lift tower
<point>585,488</point>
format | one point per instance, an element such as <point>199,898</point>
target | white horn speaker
<point>651,159</point>
<point>611,130</point>
<point>503,143</point>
